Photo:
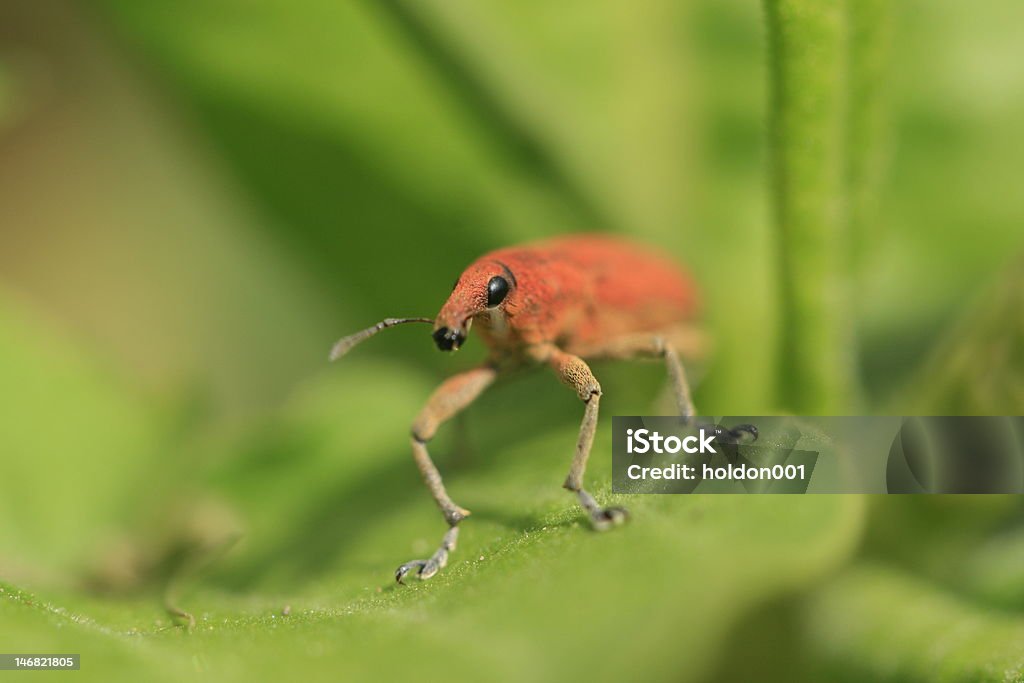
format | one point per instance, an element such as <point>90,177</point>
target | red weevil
<point>557,303</point>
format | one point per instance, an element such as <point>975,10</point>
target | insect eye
<point>497,290</point>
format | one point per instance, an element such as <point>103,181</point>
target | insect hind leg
<point>657,346</point>
<point>668,346</point>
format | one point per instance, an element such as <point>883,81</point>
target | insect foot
<point>609,518</point>
<point>425,569</point>
<point>602,519</point>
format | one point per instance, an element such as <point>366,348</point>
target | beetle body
<point>553,303</point>
<point>575,292</point>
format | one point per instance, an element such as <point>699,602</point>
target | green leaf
<point>978,366</point>
<point>883,625</point>
<point>531,592</point>
<point>75,442</point>
<point>417,136</point>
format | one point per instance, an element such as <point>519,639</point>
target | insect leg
<point>677,378</point>
<point>448,400</point>
<point>664,346</point>
<point>575,373</point>
<point>651,346</point>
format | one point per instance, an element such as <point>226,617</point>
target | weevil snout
<point>449,340</point>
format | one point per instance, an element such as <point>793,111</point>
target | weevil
<point>556,303</point>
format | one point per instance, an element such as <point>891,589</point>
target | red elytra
<point>575,292</point>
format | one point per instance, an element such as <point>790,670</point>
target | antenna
<point>345,344</point>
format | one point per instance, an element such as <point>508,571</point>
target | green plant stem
<point>807,64</point>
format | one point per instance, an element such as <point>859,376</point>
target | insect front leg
<point>448,400</point>
<point>575,373</point>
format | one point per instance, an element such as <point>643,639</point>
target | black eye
<point>497,290</point>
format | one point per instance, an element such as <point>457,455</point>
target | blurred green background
<point>198,198</point>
